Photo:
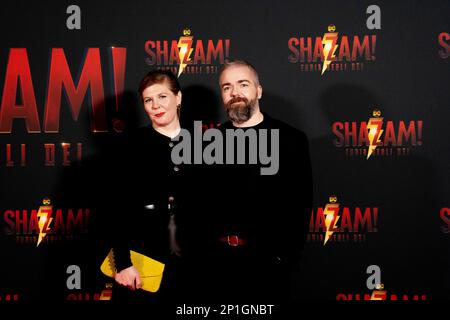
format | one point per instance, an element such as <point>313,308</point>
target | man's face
<point>240,92</point>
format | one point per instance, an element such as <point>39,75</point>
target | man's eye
<point>147,100</point>
<point>226,88</point>
<point>244,85</point>
<point>163,97</point>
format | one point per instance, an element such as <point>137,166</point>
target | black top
<point>148,180</point>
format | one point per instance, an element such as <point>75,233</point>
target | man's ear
<point>259,89</point>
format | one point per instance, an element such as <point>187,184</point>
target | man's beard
<point>241,112</point>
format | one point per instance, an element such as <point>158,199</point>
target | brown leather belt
<point>233,240</point>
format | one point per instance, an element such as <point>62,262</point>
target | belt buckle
<point>230,243</point>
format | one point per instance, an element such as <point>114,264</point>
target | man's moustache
<point>234,100</point>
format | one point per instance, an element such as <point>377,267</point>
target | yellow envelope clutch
<point>150,270</point>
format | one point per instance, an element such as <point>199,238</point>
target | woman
<point>156,200</point>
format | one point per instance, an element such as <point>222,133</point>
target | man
<point>258,222</point>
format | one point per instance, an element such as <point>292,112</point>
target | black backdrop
<point>405,75</point>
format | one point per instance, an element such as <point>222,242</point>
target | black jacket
<point>269,211</point>
<point>148,178</point>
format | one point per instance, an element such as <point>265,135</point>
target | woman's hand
<point>130,278</point>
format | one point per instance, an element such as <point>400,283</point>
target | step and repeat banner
<point>368,82</point>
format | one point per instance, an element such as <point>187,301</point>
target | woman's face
<point>161,103</point>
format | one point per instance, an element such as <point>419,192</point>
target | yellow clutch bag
<point>150,270</point>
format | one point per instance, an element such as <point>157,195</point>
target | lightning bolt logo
<point>329,41</point>
<point>185,50</point>
<point>331,217</point>
<point>44,215</point>
<point>374,131</point>
<point>107,292</point>
<point>379,294</point>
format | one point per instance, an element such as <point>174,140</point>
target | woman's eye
<point>147,100</point>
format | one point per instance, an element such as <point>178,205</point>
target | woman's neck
<point>171,130</point>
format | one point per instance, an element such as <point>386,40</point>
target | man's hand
<point>130,278</point>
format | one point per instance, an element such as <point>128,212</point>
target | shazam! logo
<point>46,224</point>
<point>337,223</point>
<point>332,51</point>
<point>377,136</point>
<point>188,54</point>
